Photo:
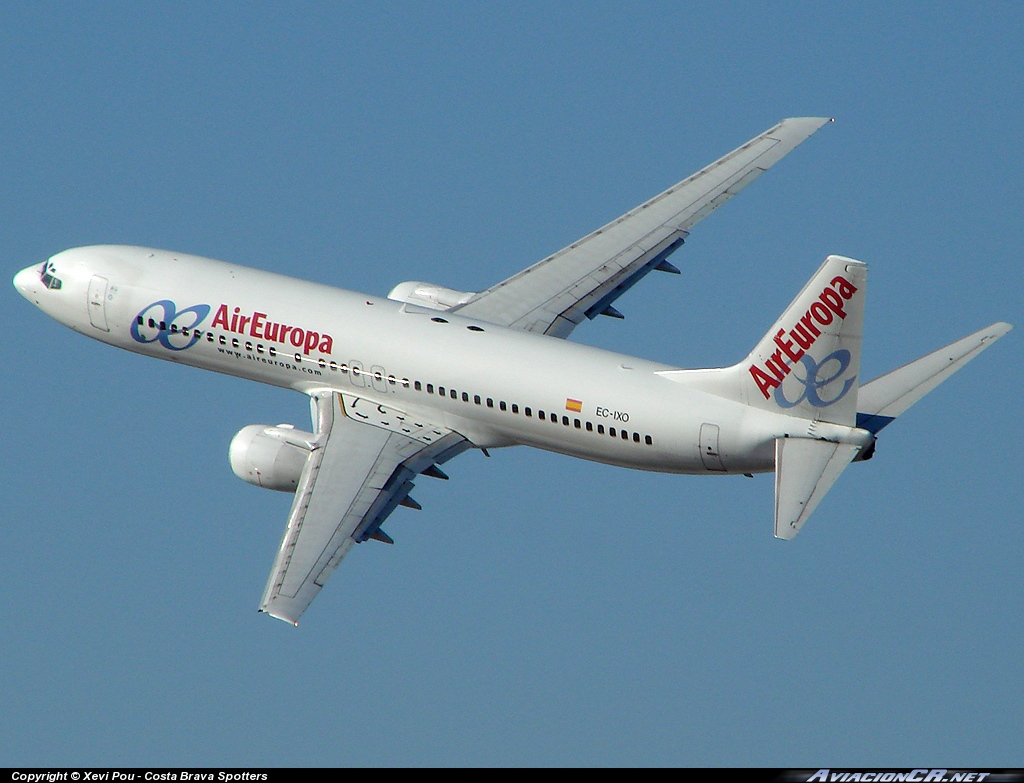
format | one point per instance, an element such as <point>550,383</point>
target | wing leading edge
<point>582,280</point>
<point>359,470</point>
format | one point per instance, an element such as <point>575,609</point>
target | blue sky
<point>539,610</point>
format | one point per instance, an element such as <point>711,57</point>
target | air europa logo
<point>257,325</point>
<point>805,332</point>
<point>162,322</point>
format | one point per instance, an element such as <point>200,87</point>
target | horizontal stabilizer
<point>885,398</point>
<point>805,471</point>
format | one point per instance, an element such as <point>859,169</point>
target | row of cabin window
<point>552,417</point>
<point>502,405</point>
<point>236,343</point>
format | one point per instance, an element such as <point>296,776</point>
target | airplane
<point>400,385</point>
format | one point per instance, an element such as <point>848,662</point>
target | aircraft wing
<point>582,280</point>
<point>361,466</point>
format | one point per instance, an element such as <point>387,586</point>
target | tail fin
<point>885,398</point>
<point>807,366</point>
<point>808,362</point>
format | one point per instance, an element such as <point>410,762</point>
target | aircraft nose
<point>26,281</point>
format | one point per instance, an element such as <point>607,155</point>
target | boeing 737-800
<point>402,384</point>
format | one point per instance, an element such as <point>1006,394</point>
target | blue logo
<point>162,322</point>
<point>813,384</point>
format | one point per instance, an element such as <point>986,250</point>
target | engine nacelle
<point>270,457</point>
<point>436,297</point>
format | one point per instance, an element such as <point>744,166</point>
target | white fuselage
<point>495,386</point>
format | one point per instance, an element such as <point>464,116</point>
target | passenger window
<point>576,423</point>
<point>465,397</point>
<point>565,420</point>
<point>647,440</point>
<point>515,408</point>
<point>600,429</point>
<point>528,412</point>
<point>590,427</point>
<point>454,394</point>
<point>625,435</point>
<point>490,403</point>
<point>476,399</point>
<point>430,388</point>
<point>636,437</point>
<point>139,321</point>
<point>611,431</point>
<point>418,386</point>
<point>540,415</point>
<point>502,405</point>
<point>391,380</point>
<point>440,390</point>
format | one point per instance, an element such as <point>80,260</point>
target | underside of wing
<point>582,280</point>
<point>359,470</point>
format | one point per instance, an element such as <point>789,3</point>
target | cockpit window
<point>49,280</point>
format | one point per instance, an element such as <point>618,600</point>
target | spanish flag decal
<point>573,405</point>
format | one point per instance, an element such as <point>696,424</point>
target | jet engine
<point>270,457</point>
<point>436,297</point>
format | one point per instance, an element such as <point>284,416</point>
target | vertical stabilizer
<point>808,363</point>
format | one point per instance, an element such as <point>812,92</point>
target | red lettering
<point>221,318</point>
<point>802,337</point>
<point>257,325</point>
<point>312,341</point>
<point>255,330</point>
<point>845,287</point>
<point>833,301</point>
<point>776,366</point>
<point>787,346</point>
<point>821,314</point>
<point>764,382</point>
<point>806,321</point>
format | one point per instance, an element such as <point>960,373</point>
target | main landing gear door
<point>98,302</point>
